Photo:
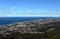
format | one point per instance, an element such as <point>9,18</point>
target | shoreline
<point>27,28</point>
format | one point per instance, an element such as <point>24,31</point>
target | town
<point>36,29</point>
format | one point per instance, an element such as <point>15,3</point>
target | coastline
<point>40,26</point>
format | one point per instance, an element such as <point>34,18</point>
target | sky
<point>29,8</point>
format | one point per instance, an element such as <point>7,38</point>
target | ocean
<point>10,20</point>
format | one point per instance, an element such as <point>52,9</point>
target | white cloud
<point>13,8</point>
<point>13,12</point>
<point>26,12</point>
<point>7,12</point>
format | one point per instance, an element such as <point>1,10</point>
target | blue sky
<point>15,8</point>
